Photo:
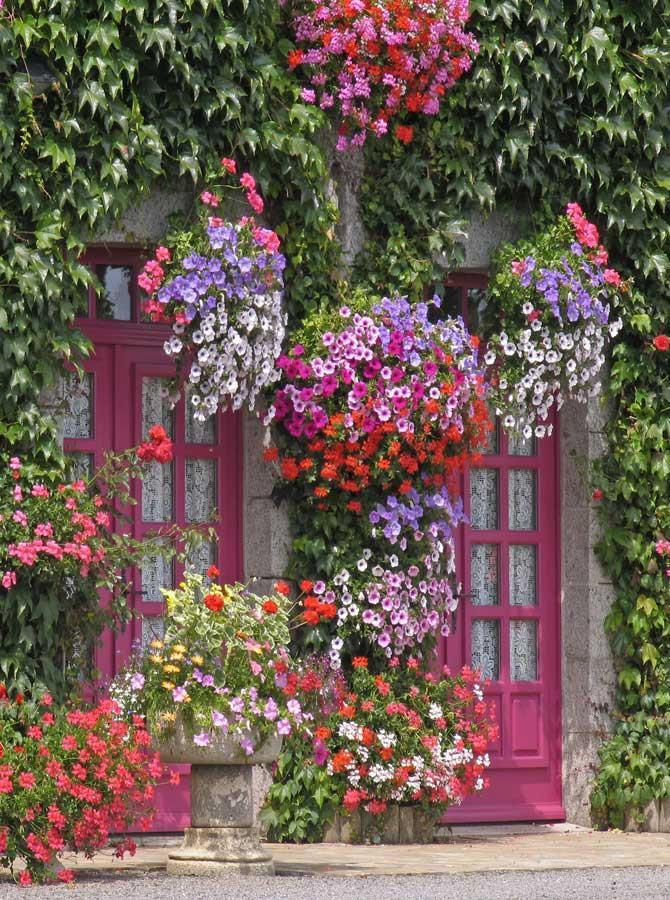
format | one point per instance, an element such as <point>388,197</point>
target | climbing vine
<point>102,100</point>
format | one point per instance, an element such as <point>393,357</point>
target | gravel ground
<point>586,884</point>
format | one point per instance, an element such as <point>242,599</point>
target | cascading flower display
<point>394,608</point>
<point>375,419</point>
<point>221,287</point>
<point>390,400</point>
<point>409,737</point>
<point>556,298</point>
<point>371,60</point>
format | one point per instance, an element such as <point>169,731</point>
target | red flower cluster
<point>661,342</point>
<point>373,60</point>
<point>158,448</point>
<point>71,779</point>
<point>389,722</point>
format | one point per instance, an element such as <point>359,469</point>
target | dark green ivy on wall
<point>101,100</point>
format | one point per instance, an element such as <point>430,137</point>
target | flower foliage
<point>222,291</point>
<point>373,423</point>
<point>222,667</point>
<point>69,780</point>
<point>408,736</point>
<point>57,550</point>
<point>372,61</point>
<point>556,298</point>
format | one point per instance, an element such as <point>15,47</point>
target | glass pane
<point>157,492</point>
<point>115,301</point>
<point>484,647</point>
<point>484,574</point>
<point>523,649</point>
<point>477,302</point>
<point>73,399</point>
<point>484,498</point>
<point>197,432</point>
<point>523,574</point>
<point>522,499</point>
<point>81,465</point>
<point>200,490</point>
<point>201,558</point>
<point>156,405</point>
<point>518,445</point>
<point>153,628</point>
<point>157,572</point>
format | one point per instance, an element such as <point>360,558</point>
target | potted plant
<point>403,747</point>
<point>212,692</point>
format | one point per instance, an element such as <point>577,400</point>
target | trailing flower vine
<point>552,305</point>
<point>221,287</point>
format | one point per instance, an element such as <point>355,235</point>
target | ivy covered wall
<point>566,101</point>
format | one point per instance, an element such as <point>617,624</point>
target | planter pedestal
<point>222,838</point>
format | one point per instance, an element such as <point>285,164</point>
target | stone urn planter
<point>223,837</point>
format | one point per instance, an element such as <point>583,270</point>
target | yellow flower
<point>179,648</point>
<point>197,660</point>
<point>170,668</point>
<point>169,717</point>
<point>168,685</point>
<point>177,657</point>
<point>156,644</point>
<point>155,658</point>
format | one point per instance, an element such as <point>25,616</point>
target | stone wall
<point>588,678</point>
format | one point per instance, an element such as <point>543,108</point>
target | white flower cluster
<point>551,367</point>
<point>236,350</point>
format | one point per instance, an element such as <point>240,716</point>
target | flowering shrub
<point>372,60</point>
<point>374,419</point>
<point>223,666</point>
<point>57,549</point>
<point>221,288</point>
<point>409,737</point>
<point>69,779</point>
<point>556,298</point>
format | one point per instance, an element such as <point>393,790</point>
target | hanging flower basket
<point>372,60</point>
<point>376,414</point>
<point>221,288</point>
<point>556,299</point>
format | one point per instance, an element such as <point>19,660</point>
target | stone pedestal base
<point>217,851</point>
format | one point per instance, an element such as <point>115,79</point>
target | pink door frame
<point>124,353</point>
<point>525,774</point>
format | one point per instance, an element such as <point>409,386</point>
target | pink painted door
<point>123,394</point>
<point>508,623</point>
